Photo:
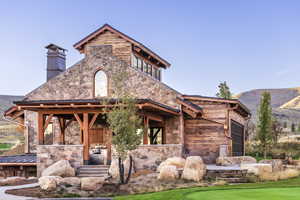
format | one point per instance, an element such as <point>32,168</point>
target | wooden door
<point>237,135</point>
<point>96,136</point>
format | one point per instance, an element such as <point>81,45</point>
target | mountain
<point>285,104</point>
<point>6,101</point>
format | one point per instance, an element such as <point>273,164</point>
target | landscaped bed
<point>285,189</point>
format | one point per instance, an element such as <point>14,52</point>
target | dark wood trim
<point>86,137</point>
<point>40,128</point>
<point>78,120</point>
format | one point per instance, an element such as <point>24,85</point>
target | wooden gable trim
<point>79,45</point>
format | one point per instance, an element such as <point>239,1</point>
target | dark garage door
<point>237,134</point>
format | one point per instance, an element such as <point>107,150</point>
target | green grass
<point>286,189</point>
<point>5,146</point>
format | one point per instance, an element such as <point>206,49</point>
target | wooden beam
<point>86,138</point>
<point>48,121</point>
<point>189,112</point>
<point>152,116</point>
<point>93,120</point>
<point>62,125</point>
<point>40,128</point>
<point>160,108</point>
<point>146,125</point>
<point>78,120</point>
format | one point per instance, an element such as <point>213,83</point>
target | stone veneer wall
<point>49,154</point>
<point>77,82</point>
<point>150,156</point>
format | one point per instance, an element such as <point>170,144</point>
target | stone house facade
<point>70,103</point>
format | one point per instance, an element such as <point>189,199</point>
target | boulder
<point>91,183</point>
<point>178,162</point>
<point>114,168</point>
<point>168,173</point>
<point>70,181</point>
<point>49,183</point>
<point>235,160</point>
<point>194,169</point>
<point>61,168</point>
<point>276,164</point>
<point>257,168</point>
<point>11,180</point>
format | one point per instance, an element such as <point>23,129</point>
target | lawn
<point>286,189</point>
<point>5,146</point>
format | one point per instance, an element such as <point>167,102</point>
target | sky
<point>249,44</point>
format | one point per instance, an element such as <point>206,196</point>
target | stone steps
<point>230,176</point>
<point>93,171</point>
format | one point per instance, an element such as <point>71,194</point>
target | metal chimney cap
<point>55,47</point>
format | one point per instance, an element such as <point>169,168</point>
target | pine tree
<point>224,91</point>
<point>264,124</point>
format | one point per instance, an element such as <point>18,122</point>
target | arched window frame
<point>94,82</point>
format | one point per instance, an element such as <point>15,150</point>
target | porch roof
<point>144,104</point>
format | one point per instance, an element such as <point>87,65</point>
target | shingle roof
<point>24,158</point>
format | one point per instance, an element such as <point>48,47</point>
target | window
<point>149,69</point>
<point>100,84</point>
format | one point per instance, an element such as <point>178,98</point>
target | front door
<point>237,135</point>
<point>99,147</point>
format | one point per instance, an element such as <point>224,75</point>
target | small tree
<point>264,124</point>
<point>124,122</point>
<point>224,91</point>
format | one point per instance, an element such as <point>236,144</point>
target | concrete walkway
<point>4,196</point>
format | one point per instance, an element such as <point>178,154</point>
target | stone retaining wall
<point>150,156</point>
<point>49,154</point>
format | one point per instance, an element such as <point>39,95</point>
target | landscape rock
<point>11,180</point>
<point>194,169</point>
<point>235,160</point>
<point>91,183</point>
<point>257,168</point>
<point>70,181</point>
<point>276,164</point>
<point>114,168</point>
<point>49,183</point>
<point>61,168</point>
<point>168,173</point>
<point>178,162</point>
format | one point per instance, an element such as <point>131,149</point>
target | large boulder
<point>257,168</point>
<point>168,173</point>
<point>49,183</point>
<point>276,164</point>
<point>194,169</point>
<point>70,181</point>
<point>178,162</point>
<point>92,183</point>
<point>235,160</point>
<point>114,168</point>
<point>61,168</point>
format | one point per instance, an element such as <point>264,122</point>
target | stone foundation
<point>150,156</point>
<point>49,154</point>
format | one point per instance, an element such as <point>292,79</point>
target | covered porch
<point>93,132</point>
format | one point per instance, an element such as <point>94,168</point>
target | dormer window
<point>142,65</point>
<point>100,84</point>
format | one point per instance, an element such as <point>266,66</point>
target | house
<point>65,116</point>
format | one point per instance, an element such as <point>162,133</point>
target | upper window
<point>100,84</point>
<point>143,66</point>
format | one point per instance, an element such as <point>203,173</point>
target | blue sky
<point>249,44</point>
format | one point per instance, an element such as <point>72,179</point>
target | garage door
<point>237,135</point>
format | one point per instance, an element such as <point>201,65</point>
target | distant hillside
<point>6,101</point>
<point>285,103</point>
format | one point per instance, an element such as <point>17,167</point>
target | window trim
<point>154,71</point>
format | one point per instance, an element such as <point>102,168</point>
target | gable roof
<point>221,100</point>
<point>79,45</point>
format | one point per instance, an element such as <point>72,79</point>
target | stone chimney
<point>56,60</point>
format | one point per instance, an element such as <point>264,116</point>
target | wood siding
<point>120,47</point>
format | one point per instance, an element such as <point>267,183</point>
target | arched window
<point>100,84</point>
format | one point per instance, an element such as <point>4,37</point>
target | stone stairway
<point>93,171</point>
<point>230,175</point>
